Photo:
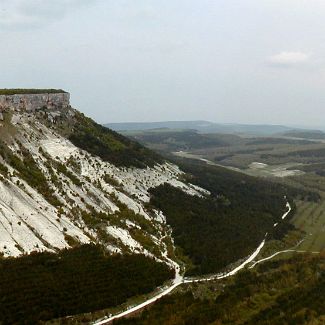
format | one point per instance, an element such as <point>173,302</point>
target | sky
<point>226,61</point>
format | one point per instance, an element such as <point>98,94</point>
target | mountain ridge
<point>66,174</point>
<point>204,127</point>
<point>68,184</point>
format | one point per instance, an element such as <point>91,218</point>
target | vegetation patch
<point>30,172</point>
<point>109,145</point>
<point>218,230</point>
<point>173,140</point>
<point>43,286</point>
<point>280,292</point>
<point>310,218</point>
<point>25,91</point>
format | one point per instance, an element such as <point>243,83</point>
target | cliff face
<point>32,102</point>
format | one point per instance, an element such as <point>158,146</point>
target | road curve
<point>178,280</point>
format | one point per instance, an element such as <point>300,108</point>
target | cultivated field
<point>310,218</point>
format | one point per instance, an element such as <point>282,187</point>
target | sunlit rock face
<point>32,102</point>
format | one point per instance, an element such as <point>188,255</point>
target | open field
<point>232,149</point>
<point>310,218</point>
<point>267,151</point>
<point>254,169</point>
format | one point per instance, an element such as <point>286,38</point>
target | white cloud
<point>287,59</point>
<point>34,13</point>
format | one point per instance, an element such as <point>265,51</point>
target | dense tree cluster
<point>44,286</point>
<point>209,230</point>
<point>217,230</point>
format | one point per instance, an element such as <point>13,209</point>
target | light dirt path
<point>179,279</point>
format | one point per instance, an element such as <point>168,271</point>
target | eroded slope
<point>55,195</point>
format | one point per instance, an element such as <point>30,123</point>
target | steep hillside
<point>75,195</point>
<point>107,144</point>
<point>221,228</point>
<point>54,193</point>
<point>58,194</point>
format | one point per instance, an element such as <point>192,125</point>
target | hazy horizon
<point>314,127</point>
<point>244,62</point>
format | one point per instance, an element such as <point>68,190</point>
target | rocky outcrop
<point>33,102</point>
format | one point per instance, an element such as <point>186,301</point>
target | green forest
<point>43,286</point>
<point>217,230</point>
<point>283,292</point>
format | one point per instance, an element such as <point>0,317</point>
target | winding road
<point>179,279</point>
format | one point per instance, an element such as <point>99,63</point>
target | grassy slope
<point>109,145</point>
<point>310,218</point>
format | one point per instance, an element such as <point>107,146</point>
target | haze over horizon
<point>300,126</point>
<point>249,61</point>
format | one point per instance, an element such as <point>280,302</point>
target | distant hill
<point>203,127</point>
<point>304,134</point>
<point>133,126</point>
<point>171,140</point>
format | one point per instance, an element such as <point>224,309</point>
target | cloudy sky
<point>242,61</point>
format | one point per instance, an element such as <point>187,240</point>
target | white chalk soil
<point>28,222</point>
